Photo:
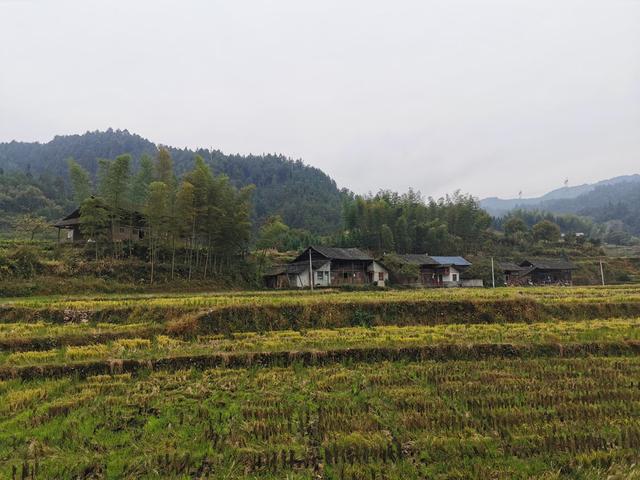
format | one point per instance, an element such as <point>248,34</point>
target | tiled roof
<point>548,264</point>
<point>455,261</point>
<point>333,253</point>
<point>509,267</point>
<point>417,259</point>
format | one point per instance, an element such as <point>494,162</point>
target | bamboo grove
<point>199,223</point>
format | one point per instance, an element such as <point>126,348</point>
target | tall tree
<point>184,218</point>
<point>546,231</point>
<point>114,186</point>
<point>94,221</point>
<point>80,181</point>
<point>157,217</point>
<point>141,182</point>
<point>164,167</point>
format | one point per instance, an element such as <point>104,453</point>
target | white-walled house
<point>330,267</point>
<point>380,274</point>
<point>438,271</point>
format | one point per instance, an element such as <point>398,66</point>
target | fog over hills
<point>499,206</point>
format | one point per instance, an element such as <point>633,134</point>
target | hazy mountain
<point>499,206</point>
<point>303,195</point>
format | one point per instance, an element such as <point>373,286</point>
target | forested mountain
<point>612,203</point>
<point>36,175</point>
<point>617,204</point>
<point>499,206</point>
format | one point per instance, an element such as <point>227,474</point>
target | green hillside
<point>34,177</point>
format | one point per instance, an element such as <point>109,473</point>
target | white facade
<point>380,275</point>
<point>321,277</point>
<point>452,277</point>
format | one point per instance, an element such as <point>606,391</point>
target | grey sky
<point>489,96</point>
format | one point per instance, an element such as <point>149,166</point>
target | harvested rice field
<point>444,384</point>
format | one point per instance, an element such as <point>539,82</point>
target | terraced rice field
<point>506,383</point>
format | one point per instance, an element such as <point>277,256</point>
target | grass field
<point>505,383</point>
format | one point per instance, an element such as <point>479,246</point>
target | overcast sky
<point>487,96</point>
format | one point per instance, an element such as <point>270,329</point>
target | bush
<point>23,262</point>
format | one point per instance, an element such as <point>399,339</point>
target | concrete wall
<point>453,276</point>
<point>321,277</point>
<point>380,274</point>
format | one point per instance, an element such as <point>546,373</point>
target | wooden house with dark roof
<point>436,271</point>
<point>129,227</point>
<point>510,271</point>
<point>329,267</point>
<point>539,271</point>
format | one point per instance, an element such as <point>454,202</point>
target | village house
<point>437,271</point>
<point>329,267</point>
<point>130,227</point>
<point>510,271</point>
<point>538,271</point>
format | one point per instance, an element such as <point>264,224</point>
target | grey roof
<point>72,219</point>
<point>424,259</point>
<point>509,267</point>
<point>275,271</point>
<point>455,261</point>
<point>417,259</point>
<point>334,253</point>
<point>548,264</point>
<point>138,218</point>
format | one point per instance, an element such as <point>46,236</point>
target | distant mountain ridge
<point>304,196</point>
<point>498,206</point>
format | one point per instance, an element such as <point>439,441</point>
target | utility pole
<point>310,271</point>
<point>493,274</point>
<point>602,273</point>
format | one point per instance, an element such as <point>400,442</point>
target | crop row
<point>262,310</point>
<point>362,421</point>
<point>442,352</point>
<point>25,346</point>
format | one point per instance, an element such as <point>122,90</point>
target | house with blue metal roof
<point>437,271</point>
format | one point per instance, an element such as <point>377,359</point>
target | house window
<point>345,274</point>
<point>381,276</point>
<point>121,230</point>
<point>455,277</point>
<point>320,275</point>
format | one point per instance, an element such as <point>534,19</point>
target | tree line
<point>406,223</point>
<point>199,222</point>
